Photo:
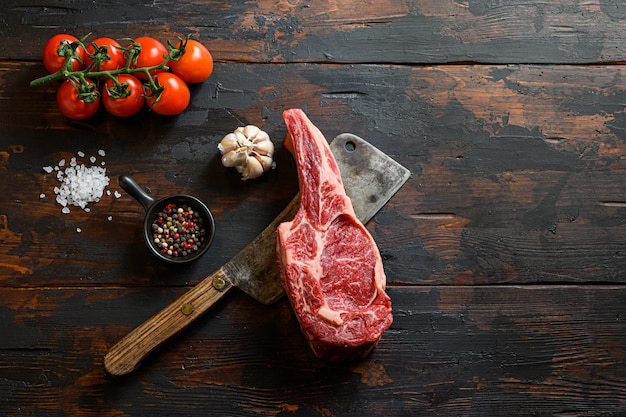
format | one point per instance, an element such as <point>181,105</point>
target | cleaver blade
<point>370,178</point>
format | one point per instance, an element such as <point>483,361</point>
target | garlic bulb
<point>249,150</point>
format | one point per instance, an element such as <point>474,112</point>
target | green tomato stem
<point>64,74</point>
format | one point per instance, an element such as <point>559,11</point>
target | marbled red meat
<point>329,264</point>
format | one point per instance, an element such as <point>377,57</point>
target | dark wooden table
<point>504,252</point>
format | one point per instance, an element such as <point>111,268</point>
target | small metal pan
<point>201,235</point>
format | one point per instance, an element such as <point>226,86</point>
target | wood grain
<point>504,251</point>
<point>427,32</point>
<point>126,355</point>
<point>450,351</point>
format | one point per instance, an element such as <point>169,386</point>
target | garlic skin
<point>249,150</point>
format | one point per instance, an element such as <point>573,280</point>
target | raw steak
<point>329,264</point>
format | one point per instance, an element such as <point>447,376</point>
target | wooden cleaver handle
<point>126,354</point>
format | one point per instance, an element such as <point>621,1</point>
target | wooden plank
<point>541,350</point>
<point>517,171</point>
<point>424,32</point>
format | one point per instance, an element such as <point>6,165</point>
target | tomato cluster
<point>123,78</point>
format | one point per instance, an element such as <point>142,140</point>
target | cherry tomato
<point>114,51</point>
<point>54,53</point>
<point>71,105</point>
<point>121,106</point>
<point>152,54</point>
<point>195,65</point>
<point>174,98</point>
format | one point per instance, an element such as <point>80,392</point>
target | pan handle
<point>127,354</point>
<point>131,187</point>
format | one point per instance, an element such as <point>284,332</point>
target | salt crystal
<point>42,195</point>
<point>108,192</point>
<point>78,230</point>
<point>117,194</point>
<point>110,218</point>
<point>79,184</point>
<point>101,152</point>
<point>102,163</point>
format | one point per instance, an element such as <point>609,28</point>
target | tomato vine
<point>134,63</point>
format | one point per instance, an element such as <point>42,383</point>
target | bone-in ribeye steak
<point>329,264</point>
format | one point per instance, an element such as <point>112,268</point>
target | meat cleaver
<point>370,179</point>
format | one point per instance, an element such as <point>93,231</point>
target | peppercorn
<point>178,231</point>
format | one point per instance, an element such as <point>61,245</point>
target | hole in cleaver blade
<point>370,177</point>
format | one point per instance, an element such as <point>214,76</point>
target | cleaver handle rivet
<point>219,283</point>
<point>186,309</point>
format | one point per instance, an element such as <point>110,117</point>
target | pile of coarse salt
<point>80,184</point>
